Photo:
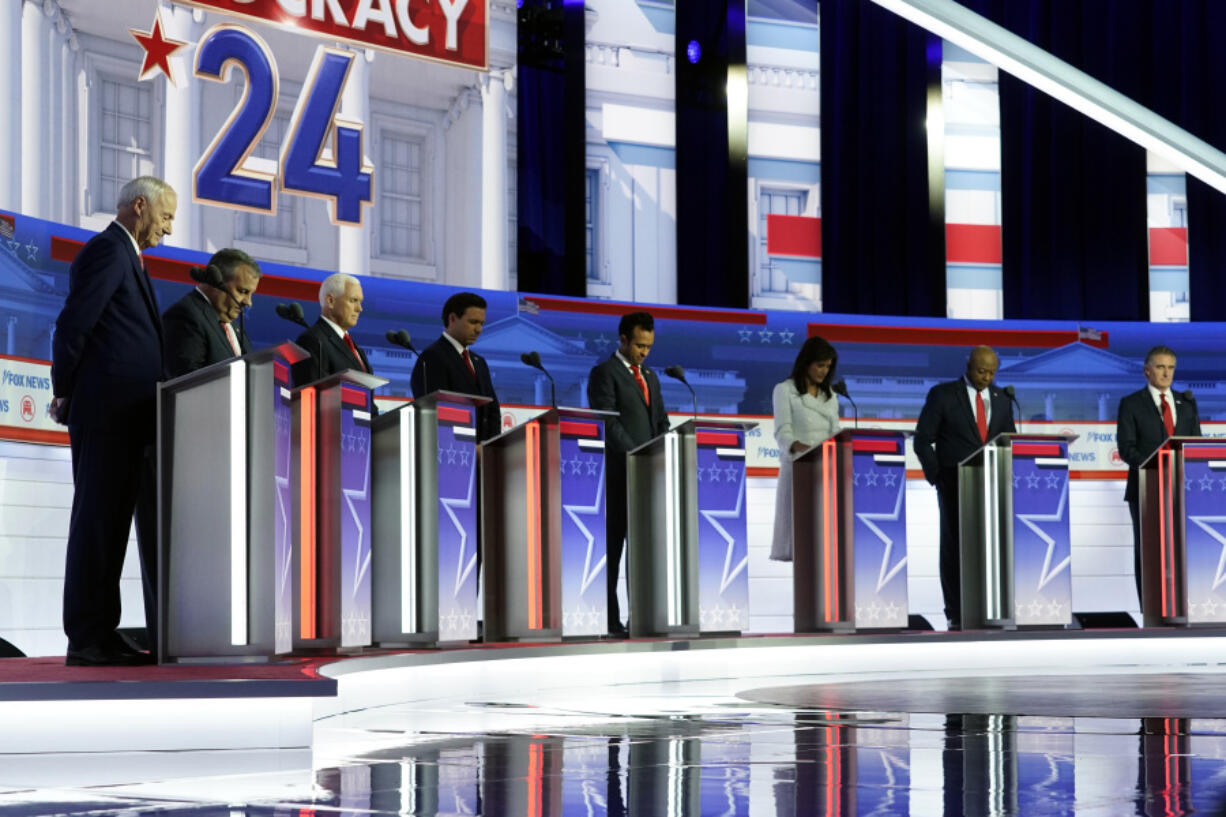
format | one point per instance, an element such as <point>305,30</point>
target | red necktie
<point>469,363</point>
<point>638,378</point>
<point>234,347</point>
<point>981,417</point>
<point>354,351</point>
<point>1168,422</point>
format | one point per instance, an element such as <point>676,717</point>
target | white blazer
<point>810,420</point>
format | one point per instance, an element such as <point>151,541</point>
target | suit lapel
<point>142,277</point>
<point>963,398</point>
<point>628,378</point>
<point>209,316</point>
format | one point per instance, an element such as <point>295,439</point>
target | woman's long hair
<point>814,350</point>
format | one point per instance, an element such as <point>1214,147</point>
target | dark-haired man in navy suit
<point>1146,418</point>
<point>450,364</point>
<point>106,364</point>
<point>623,384</point>
<point>957,419</point>
<point>199,327</point>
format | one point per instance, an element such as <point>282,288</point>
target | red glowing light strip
<point>536,772</point>
<point>532,433</point>
<point>353,397</point>
<point>280,372</point>
<point>875,446</point>
<point>1037,450</point>
<point>451,414</point>
<point>572,428</point>
<point>306,504</point>
<point>829,523</point>
<point>718,438</point>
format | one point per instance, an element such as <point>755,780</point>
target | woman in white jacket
<point>806,413</point>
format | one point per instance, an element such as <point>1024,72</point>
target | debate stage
<point>1043,722</point>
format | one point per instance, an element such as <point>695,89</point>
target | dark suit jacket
<point>611,387</point>
<point>328,354</point>
<point>439,366</point>
<point>947,422</point>
<point>1139,430</point>
<point>107,351</point>
<point>194,337</point>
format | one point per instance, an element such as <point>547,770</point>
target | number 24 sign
<point>308,164</point>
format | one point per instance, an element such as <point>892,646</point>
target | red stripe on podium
<point>718,438</point>
<point>573,428</point>
<point>353,397</point>
<point>875,446</point>
<point>1209,452</point>
<point>451,414</point>
<point>1036,450</point>
<point>280,372</point>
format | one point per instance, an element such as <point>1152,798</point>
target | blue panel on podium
<point>879,492</point>
<point>1042,582</point>
<point>355,517</point>
<point>1204,479</point>
<point>457,522</point>
<point>582,459</point>
<point>723,555</point>
<point>283,610</point>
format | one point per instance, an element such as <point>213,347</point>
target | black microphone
<point>839,387</point>
<point>292,312</point>
<point>401,338</point>
<point>678,373</point>
<point>533,359</point>
<point>1011,393</point>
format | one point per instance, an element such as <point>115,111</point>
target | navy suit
<point>439,366</point>
<point>611,387</point>
<point>1138,433</point>
<point>107,361</point>
<point>947,422</point>
<point>194,337</point>
<point>329,355</point>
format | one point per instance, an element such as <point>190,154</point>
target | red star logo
<point>158,49</point>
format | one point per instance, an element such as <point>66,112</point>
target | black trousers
<point>615,529</point>
<point>114,478</point>
<point>951,556</point>
<point>1134,510</point>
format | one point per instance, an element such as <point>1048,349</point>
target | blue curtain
<point>883,251</point>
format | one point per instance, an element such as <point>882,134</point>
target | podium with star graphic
<point>1014,532</point>
<point>677,570</point>
<point>1182,494</point>
<point>224,532</point>
<point>535,564</point>
<point>849,533</point>
<point>332,547</point>
<point>424,521</point>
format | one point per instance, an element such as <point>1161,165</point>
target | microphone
<point>533,359</point>
<point>1011,393</point>
<point>401,338</point>
<point>210,275</point>
<point>839,387</point>
<point>678,373</point>
<point>292,312</point>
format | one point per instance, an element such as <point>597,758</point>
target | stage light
<point>693,52</point>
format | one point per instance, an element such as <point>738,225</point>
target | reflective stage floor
<point>932,726</point>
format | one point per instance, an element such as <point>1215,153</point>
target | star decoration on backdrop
<point>786,335</point>
<point>158,50</point>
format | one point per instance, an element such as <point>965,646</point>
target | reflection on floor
<point>587,747</point>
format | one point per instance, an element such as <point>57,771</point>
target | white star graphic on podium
<point>870,520</point>
<point>1030,520</point>
<point>1204,522</point>
<point>591,569</point>
<point>361,555</point>
<point>731,571</point>
<point>465,564</point>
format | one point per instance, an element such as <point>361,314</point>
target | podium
<point>332,548</point>
<point>224,532</point>
<point>677,571</point>
<point>1182,491</point>
<point>543,576</point>
<point>849,533</point>
<point>424,532</point>
<point>1014,532</point>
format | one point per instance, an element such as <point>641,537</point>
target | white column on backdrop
<point>353,243</point>
<point>10,100</point>
<point>494,180</point>
<point>182,121</point>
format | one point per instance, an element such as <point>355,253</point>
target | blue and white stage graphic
<point>1204,485</point>
<point>582,463</point>
<point>457,522</point>
<point>1042,583</point>
<point>879,502</point>
<point>723,555</point>
<point>355,518</point>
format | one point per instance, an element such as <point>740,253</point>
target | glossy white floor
<point>661,728</point>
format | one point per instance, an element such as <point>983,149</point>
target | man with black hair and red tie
<point>624,385</point>
<point>106,364</point>
<point>328,341</point>
<point>1146,418</point>
<point>449,364</point>
<point>958,418</point>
